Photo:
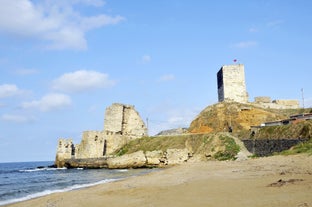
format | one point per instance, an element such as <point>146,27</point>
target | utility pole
<point>147,124</point>
<point>302,94</point>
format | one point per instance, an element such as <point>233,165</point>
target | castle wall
<point>91,145</point>
<point>65,150</point>
<point>124,120</point>
<point>133,125</point>
<point>122,123</point>
<point>288,103</point>
<point>114,118</point>
<point>231,84</point>
<point>263,99</point>
<point>265,102</point>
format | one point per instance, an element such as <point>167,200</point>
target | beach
<point>270,181</point>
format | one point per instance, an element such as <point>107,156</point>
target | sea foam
<point>48,192</point>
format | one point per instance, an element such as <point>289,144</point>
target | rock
<point>241,156</point>
<point>154,157</point>
<point>134,160</point>
<point>177,156</point>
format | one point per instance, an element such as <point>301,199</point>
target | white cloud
<point>8,90</point>
<point>245,44</point>
<point>146,59</point>
<point>17,118</point>
<point>81,81</point>
<point>253,30</point>
<point>56,23</point>
<point>167,77</point>
<point>49,102</point>
<point>275,23</point>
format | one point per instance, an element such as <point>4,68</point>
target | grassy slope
<point>301,129</point>
<point>218,146</point>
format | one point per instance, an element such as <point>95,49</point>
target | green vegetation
<point>304,147</point>
<point>231,149</point>
<point>301,129</point>
<point>219,146</point>
<point>153,143</point>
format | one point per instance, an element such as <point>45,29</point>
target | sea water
<point>26,180</point>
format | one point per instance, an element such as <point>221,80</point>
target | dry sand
<point>272,181</point>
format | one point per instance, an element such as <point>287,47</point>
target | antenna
<point>147,124</point>
<point>302,94</point>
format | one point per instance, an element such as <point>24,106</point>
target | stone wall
<point>265,102</point>
<point>65,150</point>
<point>113,119</point>
<point>231,84</point>
<point>265,147</point>
<point>124,120</point>
<point>91,145</point>
<point>263,99</point>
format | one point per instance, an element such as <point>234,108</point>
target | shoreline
<point>270,181</point>
<point>50,192</point>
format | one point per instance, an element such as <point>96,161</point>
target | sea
<point>22,181</point>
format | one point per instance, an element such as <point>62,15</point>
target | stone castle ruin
<point>122,123</point>
<point>232,88</point>
<point>231,84</point>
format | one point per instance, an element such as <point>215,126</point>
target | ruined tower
<point>231,84</point>
<point>122,124</point>
<point>124,120</point>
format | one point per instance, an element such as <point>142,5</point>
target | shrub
<point>230,151</point>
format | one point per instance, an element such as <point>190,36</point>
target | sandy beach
<point>271,181</point>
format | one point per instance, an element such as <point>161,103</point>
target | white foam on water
<point>122,170</point>
<point>42,169</point>
<point>48,192</point>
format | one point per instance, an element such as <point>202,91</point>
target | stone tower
<point>231,84</point>
<point>124,120</point>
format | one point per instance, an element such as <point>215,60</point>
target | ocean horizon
<point>21,181</point>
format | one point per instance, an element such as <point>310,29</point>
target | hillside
<point>208,139</point>
<point>302,130</point>
<point>218,117</point>
<point>218,146</point>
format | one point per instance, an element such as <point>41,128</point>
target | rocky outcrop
<point>176,156</point>
<point>134,160</point>
<point>91,163</point>
<point>156,158</point>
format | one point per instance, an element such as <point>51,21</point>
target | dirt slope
<point>219,117</point>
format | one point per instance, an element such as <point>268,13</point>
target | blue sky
<point>63,62</point>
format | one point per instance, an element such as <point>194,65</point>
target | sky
<point>62,62</point>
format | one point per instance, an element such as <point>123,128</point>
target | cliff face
<point>221,116</point>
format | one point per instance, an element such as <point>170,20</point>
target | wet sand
<point>272,181</point>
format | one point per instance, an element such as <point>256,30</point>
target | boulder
<point>177,156</point>
<point>134,160</point>
<point>154,158</point>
